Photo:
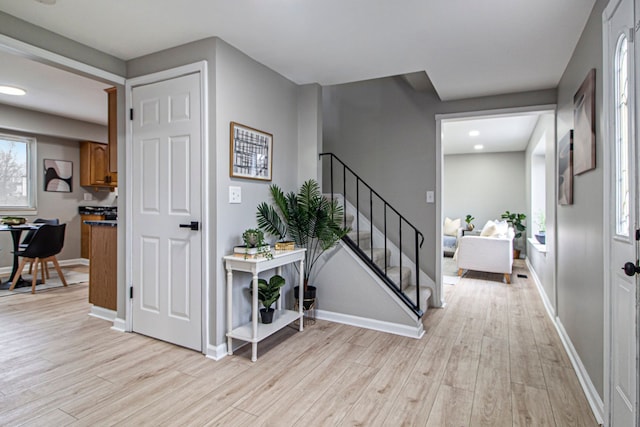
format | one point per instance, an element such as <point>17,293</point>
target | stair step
<point>379,256</point>
<point>394,274</point>
<point>425,294</point>
<point>350,218</point>
<point>365,239</point>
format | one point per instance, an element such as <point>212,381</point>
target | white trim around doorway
<point>200,68</point>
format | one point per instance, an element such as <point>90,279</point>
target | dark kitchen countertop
<point>97,210</point>
<point>103,223</point>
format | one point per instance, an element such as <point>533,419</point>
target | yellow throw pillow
<point>451,226</point>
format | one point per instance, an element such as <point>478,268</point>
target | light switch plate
<point>88,196</point>
<point>430,196</point>
<point>235,194</point>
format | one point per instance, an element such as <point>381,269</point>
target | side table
<point>253,331</point>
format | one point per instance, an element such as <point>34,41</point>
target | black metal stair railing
<point>377,204</point>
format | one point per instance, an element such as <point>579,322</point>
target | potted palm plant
<point>307,218</point>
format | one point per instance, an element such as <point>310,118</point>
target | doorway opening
<point>492,162</point>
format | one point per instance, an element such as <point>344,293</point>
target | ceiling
<point>467,48</point>
<point>499,133</point>
<point>52,90</point>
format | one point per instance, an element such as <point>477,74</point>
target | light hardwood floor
<point>490,358</point>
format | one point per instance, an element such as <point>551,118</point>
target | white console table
<point>253,331</point>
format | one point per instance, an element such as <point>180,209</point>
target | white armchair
<point>492,254</point>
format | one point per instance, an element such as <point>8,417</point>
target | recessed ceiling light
<point>474,133</point>
<point>11,90</point>
<point>49,2</point>
<point>478,147</point>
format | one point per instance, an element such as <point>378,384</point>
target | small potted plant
<point>542,228</point>
<point>515,220</point>
<point>468,220</point>
<point>254,244</point>
<point>268,293</point>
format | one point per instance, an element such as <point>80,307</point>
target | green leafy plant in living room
<point>468,220</point>
<point>516,221</point>
<point>307,217</point>
<point>268,293</point>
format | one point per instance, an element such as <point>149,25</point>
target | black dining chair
<point>29,236</point>
<point>46,243</point>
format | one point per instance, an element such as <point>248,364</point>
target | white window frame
<point>32,178</point>
<point>622,140</point>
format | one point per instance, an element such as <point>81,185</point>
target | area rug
<point>449,271</point>
<point>72,278</point>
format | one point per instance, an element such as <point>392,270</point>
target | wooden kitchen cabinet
<point>85,234</point>
<point>103,266</point>
<point>112,127</point>
<point>94,166</point>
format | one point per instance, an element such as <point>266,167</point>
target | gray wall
<point>543,263</point>
<point>56,138</point>
<point>309,131</point>
<point>249,93</point>
<point>34,122</point>
<point>483,185</point>
<point>53,204</point>
<point>580,226</point>
<point>386,132</point>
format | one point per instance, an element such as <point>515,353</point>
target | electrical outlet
<point>88,196</point>
<point>235,194</point>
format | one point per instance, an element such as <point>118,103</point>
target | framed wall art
<point>251,153</point>
<point>58,175</point>
<point>584,121</point>
<point>565,169</point>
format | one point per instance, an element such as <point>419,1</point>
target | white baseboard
<point>543,294</point>
<point>102,313</point>
<point>119,325</point>
<point>63,263</point>
<point>595,402</point>
<point>75,261</point>
<point>377,325</point>
<point>216,352</point>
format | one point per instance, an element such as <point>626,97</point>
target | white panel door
<point>623,202</point>
<point>166,266</point>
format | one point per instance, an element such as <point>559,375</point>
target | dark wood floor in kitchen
<point>490,358</point>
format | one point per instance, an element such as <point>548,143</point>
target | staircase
<point>388,244</point>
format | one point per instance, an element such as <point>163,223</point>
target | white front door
<point>166,159</point>
<point>620,140</point>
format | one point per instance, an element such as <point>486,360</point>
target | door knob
<point>631,269</point>
<point>194,225</point>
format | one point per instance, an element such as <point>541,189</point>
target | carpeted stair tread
<point>425,294</point>
<point>365,238</point>
<point>394,274</point>
<point>379,256</point>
